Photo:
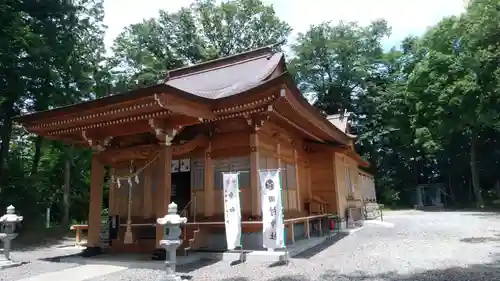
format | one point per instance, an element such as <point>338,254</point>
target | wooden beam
<point>112,195</point>
<point>163,190</point>
<point>96,192</point>
<point>284,121</point>
<point>308,181</point>
<point>148,211</point>
<point>199,141</point>
<point>140,152</point>
<point>97,115</point>
<point>209,183</point>
<point>254,175</point>
<point>148,151</point>
<point>306,113</point>
<point>104,126</point>
<point>184,107</point>
<point>297,179</point>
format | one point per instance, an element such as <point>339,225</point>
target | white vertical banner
<point>232,210</point>
<point>273,227</point>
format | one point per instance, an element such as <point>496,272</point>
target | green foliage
<point>207,30</point>
<point>50,56</point>
<point>425,111</point>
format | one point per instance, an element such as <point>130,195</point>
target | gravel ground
<point>424,246</point>
<point>36,261</point>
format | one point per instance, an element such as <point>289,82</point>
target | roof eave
<point>298,96</point>
<point>108,101</point>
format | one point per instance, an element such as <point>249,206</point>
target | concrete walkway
<point>79,273</point>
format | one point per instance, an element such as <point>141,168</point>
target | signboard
<point>232,210</point>
<point>273,230</point>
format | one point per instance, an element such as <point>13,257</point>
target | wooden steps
<point>190,238</point>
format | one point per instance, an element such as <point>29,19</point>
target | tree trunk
<point>37,155</point>
<point>474,172</point>
<point>5,136</point>
<point>497,188</point>
<point>67,188</point>
<point>452,194</point>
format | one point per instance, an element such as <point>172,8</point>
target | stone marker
<point>171,241</point>
<point>7,233</point>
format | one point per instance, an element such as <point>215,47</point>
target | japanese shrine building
<point>240,113</point>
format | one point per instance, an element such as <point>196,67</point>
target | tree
<point>204,31</point>
<point>332,61</point>
<point>51,58</point>
<point>345,68</point>
<point>456,83</point>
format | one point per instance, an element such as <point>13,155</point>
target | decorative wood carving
<point>141,152</point>
<point>257,121</point>
<point>165,135</point>
<point>96,145</point>
<point>134,140</point>
<point>199,141</point>
<point>147,151</point>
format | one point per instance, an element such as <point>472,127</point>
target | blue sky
<point>405,16</point>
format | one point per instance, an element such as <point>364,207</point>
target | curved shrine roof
<point>206,83</point>
<point>229,79</point>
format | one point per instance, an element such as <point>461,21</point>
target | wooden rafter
<point>148,151</point>
<point>183,106</point>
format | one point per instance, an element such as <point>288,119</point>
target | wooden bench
<point>316,205</point>
<point>78,228</point>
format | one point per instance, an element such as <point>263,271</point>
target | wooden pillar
<point>297,179</point>
<point>254,174</point>
<point>95,208</point>
<point>163,189</point>
<point>284,193</point>
<point>337,185</point>
<point>308,181</point>
<point>112,196</point>
<point>147,191</point>
<point>209,186</point>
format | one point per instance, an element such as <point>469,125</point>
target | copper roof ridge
<point>261,78</point>
<point>221,59</point>
<point>214,68</point>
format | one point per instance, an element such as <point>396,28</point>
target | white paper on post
<point>273,230</point>
<point>232,210</point>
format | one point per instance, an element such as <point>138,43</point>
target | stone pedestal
<point>171,241</point>
<point>350,220</point>
<point>7,234</point>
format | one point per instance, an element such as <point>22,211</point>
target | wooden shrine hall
<point>172,142</point>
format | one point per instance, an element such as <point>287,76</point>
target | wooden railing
<point>289,223</point>
<point>185,212</point>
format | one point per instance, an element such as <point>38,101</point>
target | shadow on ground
<point>483,272</point>
<point>187,268</point>
<point>309,253</point>
<point>137,264</point>
<point>484,239</point>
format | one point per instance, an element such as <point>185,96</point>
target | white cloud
<point>405,16</point>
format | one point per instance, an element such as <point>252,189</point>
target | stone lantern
<point>7,233</point>
<point>171,240</point>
